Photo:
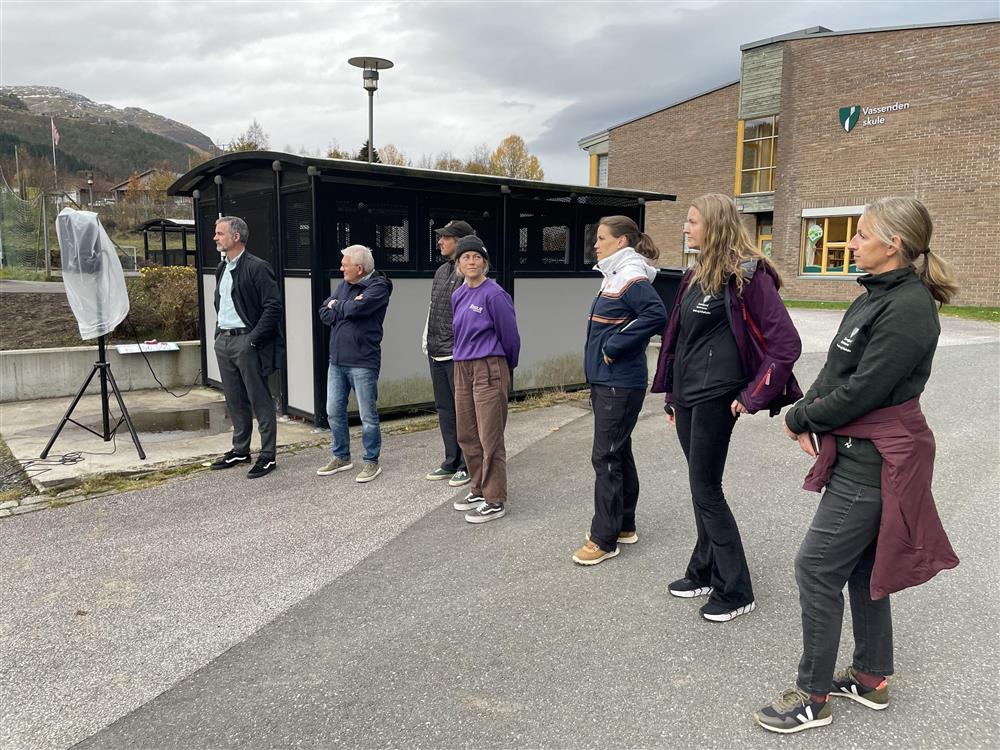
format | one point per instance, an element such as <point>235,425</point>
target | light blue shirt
<point>228,317</point>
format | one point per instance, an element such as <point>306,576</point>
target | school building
<point>820,123</point>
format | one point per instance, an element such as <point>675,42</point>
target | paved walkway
<point>310,611</point>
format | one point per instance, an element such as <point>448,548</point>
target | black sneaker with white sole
<point>688,589</point>
<point>716,612</point>
<point>230,458</point>
<point>794,711</point>
<point>469,502</point>
<point>265,465</point>
<point>486,512</point>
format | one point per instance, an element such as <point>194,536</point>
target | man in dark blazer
<point>248,344</point>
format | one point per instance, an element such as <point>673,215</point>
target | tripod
<point>103,367</point>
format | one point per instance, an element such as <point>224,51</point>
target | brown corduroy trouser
<point>481,389</point>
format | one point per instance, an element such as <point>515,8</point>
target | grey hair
<point>361,255</point>
<point>236,226</point>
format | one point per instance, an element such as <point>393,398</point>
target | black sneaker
<point>486,512</point>
<point>688,589</point>
<point>846,685</point>
<point>793,711</point>
<point>724,612</point>
<point>469,502</point>
<point>265,465</point>
<point>231,458</point>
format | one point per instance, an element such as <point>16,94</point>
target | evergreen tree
<point>363,154</point>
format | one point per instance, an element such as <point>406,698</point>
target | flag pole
<point>55,172</point>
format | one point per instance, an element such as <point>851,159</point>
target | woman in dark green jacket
<point>880,359</point>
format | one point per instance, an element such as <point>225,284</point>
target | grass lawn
<point>970,312</point>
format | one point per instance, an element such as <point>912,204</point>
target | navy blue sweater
<point>355,321</point>
<point>625,313</point>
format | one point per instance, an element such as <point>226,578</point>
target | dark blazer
<point>258,303</point>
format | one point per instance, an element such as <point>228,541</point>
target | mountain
<point>111,142</point>
<point>52,101</point>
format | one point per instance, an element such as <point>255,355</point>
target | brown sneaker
<point>591,554</point>
<point>624,537</point>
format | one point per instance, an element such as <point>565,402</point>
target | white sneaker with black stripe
<point>716,612</point>
<point>486,512</point>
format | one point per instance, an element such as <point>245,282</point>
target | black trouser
<point>443,379</point>
<point>247,394</point>
<point>616,488</point>
<point>839,548</point>
<point>718,559</point>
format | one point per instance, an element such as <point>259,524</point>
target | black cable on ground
<point>135,335</point>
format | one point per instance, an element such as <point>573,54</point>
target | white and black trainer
<point>229,459</point>
<point>486,512</point>
<point>469,502</point>
<point>724,612</point>
<point>688,589</point>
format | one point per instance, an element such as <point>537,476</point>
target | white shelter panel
<point>552,320</point>
<point>300,317</point>
<point>208,294</point>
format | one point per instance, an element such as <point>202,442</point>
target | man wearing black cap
<point>438,344</point>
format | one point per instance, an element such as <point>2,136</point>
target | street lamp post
<point>370,67</point>
<point>90,187</point>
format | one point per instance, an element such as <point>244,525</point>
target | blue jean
<point>339,383</point>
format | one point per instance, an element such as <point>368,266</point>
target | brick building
<point>819,124</point>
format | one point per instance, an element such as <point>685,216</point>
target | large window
<point>824,245</point>
<point>757,149</point>
<point>602,170</point>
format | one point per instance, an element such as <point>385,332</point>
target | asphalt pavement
<point>305,611</point>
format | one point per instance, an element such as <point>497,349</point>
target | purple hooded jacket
<point>766,339</point>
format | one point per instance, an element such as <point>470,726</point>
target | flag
<point>55,133</point>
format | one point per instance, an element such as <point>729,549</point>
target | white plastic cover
<point>92,273</point>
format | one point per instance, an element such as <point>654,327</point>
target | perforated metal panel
<point>297,228</point>
<point>207,214</point>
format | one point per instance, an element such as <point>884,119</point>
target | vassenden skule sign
<point>849,116</point>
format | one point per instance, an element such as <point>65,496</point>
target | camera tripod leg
<point>69,411</point>
<point>125,416</point>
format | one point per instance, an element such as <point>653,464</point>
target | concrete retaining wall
<point>27,374</point>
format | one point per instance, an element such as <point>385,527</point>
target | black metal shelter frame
<point>185,256</point>
<point>302,211</point>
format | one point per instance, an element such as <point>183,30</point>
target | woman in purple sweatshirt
<point>485,351</point>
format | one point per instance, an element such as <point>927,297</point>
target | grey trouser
<point>247,394</point>
<point>839,548</point>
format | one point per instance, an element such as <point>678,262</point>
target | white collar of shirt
<point>231,264</point>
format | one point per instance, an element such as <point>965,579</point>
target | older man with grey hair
<point>355,313</point>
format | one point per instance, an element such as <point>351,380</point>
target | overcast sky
<point>466,72</point>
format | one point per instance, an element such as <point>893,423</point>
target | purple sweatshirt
<point>484,323</point>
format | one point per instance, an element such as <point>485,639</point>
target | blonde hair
<point>726,245</point>
<point>638,240</point>
<point>909,219</point>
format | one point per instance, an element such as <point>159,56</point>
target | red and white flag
<point>55,133</point>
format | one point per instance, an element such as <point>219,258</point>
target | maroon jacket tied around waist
<point>912,545</point>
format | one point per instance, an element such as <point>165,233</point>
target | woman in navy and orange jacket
<point>728,349</point>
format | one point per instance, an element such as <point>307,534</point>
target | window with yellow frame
<point>756,154</point>
<point>824,246</point>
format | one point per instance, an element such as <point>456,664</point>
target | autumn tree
<point>389,154</point>
<point>448,162</point>
<point>334,151</point>
<point>511,159</point>
<point>253,139</point>
<point>478,161</point>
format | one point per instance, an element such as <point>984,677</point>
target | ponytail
<point>909,219</point>
<point>641,242</point>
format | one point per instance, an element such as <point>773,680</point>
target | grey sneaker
<point>794,711</point>
<point>469,502</point>
<point>846,685</point>
<point>368,472</point>
<point>486,512</point>
<point>459,478</point>
<point>438,474</point>
<point>335,465</point>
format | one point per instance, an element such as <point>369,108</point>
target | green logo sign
<point>849,117</point>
